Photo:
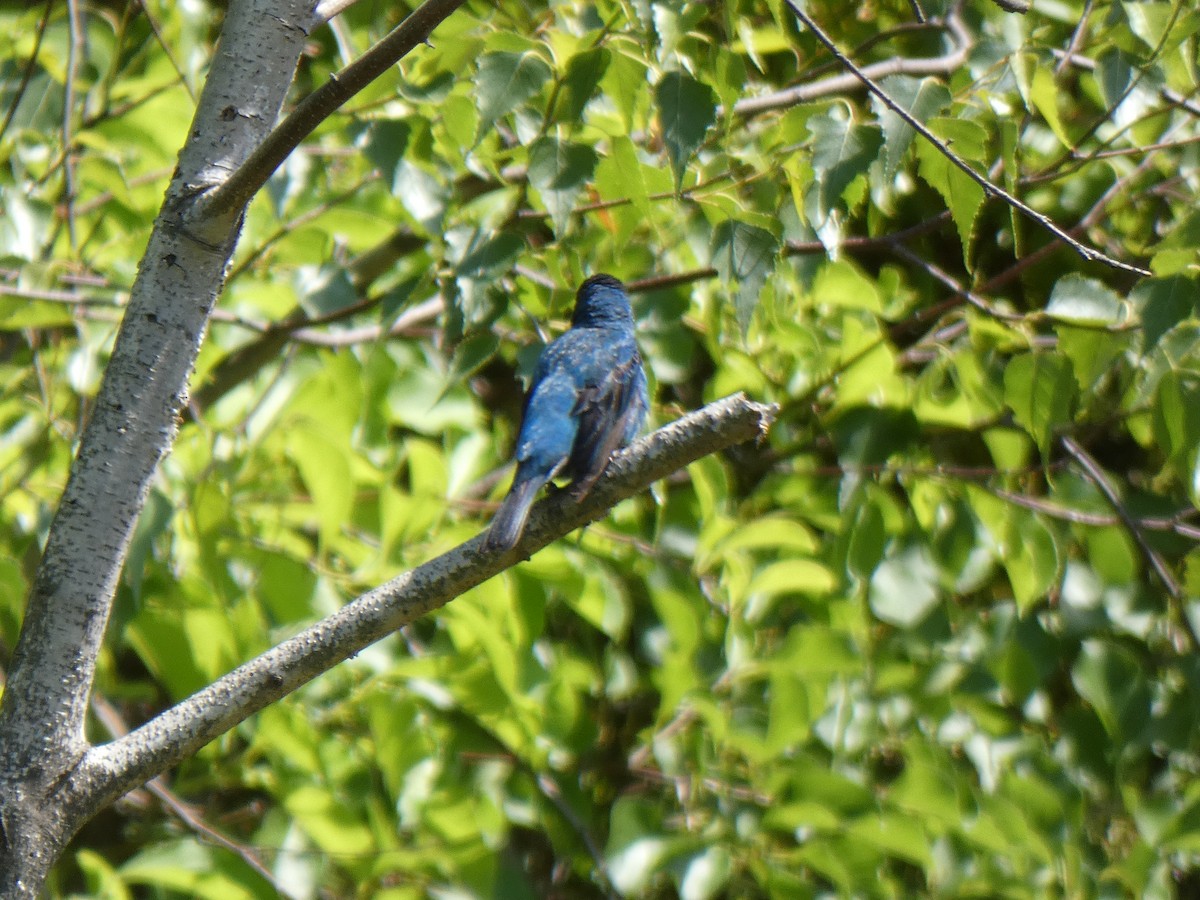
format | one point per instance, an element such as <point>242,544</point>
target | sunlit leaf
<point>505,80</point>
<point>1084,301</point>
<point>1040,389</point>
<point>559,170</point>
<point>686,110</point>
<point>922,99</point>
<point>744,255</point>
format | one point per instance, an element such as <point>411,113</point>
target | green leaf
<point>686,110</point>
<point>491,256</point>
<point>1084,301</point>
<point>155,517</point>
<point>584,73</point>
<point>771,533</point>
<point>842,284</point>
<point>1113,75</point>
<point>559,170</point>
<point>788,576</point>
<point>895,834</point>
<point>1111,679</point>
<point>619,176</point>
<point>1149,20</point>
<point>730,78</point>
<point>841,152</point>
<point>1176,416</point>
<point>922,99</point>
<point>904,588</point>
<point>470,354</point>
<point>325,290</point>
<point>504,81</point>
<point>1092,353</point>
<point>624,83</point>
<point>325,471</point>
<point>460,118</point>
<point>423,195</point>
<point>1163,303</point>
<point>387,140</point>
<point>744,255</point>
<point>1044,93</point>
<point>867,541</point>
<point>1040,389</point>
<point>328,822</point>
<point>1032,560</point>
<point>964,197</point>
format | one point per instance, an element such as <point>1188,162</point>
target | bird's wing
<point>604,412</point>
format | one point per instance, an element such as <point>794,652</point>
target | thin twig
<point>840,84</point>
<point>959,289</point>
<point>93,204</point>
<point>290,226</point>
<point>553,793</point>
<point>74,51</point>
<point>1088,253</point>
<point>1119,188</point>
<point>1173,97</point>
<point>1081,517</point>
<point>1098,477</point>
<point>114,724</point>
<point>858,243</point>
<point>1107,116</point>
<point>30,66</point>
<point>165,46</point>
<point>1076,36</point>
<point>235,192</point>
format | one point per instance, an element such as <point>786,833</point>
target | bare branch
<point>252,174</point>
<point>111,719</point>
<point>327,9</point>
<point>111,770</point>
<point>132,425</point>
<point>1090,254</point>
<point>1097,476</point>
<point>841,84</point>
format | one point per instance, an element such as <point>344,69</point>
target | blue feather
<point>588,398</point>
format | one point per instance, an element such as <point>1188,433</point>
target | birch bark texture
<point>132,426</point>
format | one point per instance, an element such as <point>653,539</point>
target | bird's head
<point>602,302</point>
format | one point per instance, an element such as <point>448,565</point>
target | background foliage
<point>931,638</point>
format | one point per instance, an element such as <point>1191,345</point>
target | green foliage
<point>905,647</point>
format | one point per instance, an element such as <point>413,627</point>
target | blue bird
<point>588,398</point>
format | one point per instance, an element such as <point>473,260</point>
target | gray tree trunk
<point>132,426</point>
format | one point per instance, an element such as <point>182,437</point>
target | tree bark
<point>132,425</point>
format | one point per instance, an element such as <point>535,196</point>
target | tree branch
<point>841,84</point>
<point>115,768</point>
<point>1097,476</point>
<point>132,425</point>
<point>236,191</point>
<point>1090,254</point>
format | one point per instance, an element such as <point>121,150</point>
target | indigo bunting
<point>588,398</point>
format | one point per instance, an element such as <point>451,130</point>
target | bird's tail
<point>509,522</point>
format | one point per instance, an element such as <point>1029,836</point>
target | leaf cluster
<point>911,645</point>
